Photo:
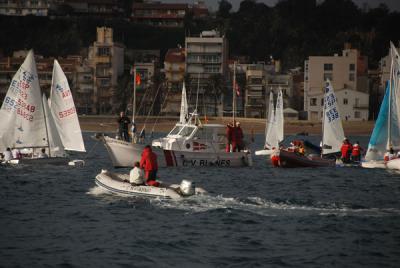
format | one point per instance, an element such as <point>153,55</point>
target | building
<point>174,68</point>
<point>206,66</point>
<point>95,8</point>
<point>255,95</point>
<point>166,14</point>
<point>107,60</point>
<point>24,7</point>
<point>348,74</point>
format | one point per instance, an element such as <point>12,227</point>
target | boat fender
<point>187,188</point>
<point>104,171</point>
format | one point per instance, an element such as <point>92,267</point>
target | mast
<point>389,141</point>
<point>323,118</point>
<point>45,124</point>
<point>134,94</point>
<point>197,97</point>
<point>234,94</point>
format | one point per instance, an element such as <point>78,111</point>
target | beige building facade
<point>348,73</point>
<point>107,60</point>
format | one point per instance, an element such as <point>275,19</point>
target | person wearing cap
<point>356,152</point>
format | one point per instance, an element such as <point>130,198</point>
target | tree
<point>224,9</point>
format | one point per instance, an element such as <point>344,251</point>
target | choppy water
<point>253,217</point>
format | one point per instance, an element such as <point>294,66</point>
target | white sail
<point>279,116</point>
<point>64,113</point>
<point>184,106</point>
<point>271,137</point>
<point>332,124</point>
<point>55,144</point>
<point>394,117</point>
<point>22,119</point>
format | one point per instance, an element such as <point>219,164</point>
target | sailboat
<point>190,144</point>
<point>274,125</point>
<point>26,120</point>
<point>386,133</point>
<point>332,137</point>
<point>63,110</point>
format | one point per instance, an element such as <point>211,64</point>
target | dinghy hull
<point>118,184</point>
<point>40,161</point>
<point>393,164</point>
<point>294,160</point>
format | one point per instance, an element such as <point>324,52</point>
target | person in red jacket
<point>346,150</point>
<point>356,152</point>
<point>237,138</point>
<point>148,162</point>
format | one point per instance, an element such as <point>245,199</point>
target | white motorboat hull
<point>39,161</point>
<point>373,164</point>
<point>124,154</point>
<point>393,164</point>
<point>117,184</point>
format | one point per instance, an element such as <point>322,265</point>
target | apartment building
<point>166,14</point>
<point>24,7</point>
<point>106,57</point>
<point>255,95</point>
<point>206,59</point>
<point>348,74</point>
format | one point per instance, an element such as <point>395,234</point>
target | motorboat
<point>117,183</point>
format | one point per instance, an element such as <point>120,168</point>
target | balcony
<point>361,107</point>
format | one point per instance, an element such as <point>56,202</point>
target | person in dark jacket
<point>123,123</point>
<point>148,162</point>
<point>237,138</point>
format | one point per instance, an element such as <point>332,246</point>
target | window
<point>357,114</point>
<point>175,130</point>
<point>322,102</point>
<point>313,102</point>
<point>345,101</point>
<point>328,67</point>
<point>352,67</point>
<point>357,102</point>
<point>328,76</point>
<point>186,131</point>
<point>103,51</point>
<point>351,77</point>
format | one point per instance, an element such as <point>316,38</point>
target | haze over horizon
<point>213,4</point>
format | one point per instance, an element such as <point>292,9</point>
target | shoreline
<point>102,123</point>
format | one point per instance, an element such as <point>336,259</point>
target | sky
<point>213,4</point>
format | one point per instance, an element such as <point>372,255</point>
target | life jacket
<point>356,150</point>
<point>275,160</point>
<point>149,160</point>
<point>344,149</point>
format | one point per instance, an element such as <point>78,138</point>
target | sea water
<point>260,216</point>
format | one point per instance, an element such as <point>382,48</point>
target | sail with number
<point>386,133</point>
<point>279,116</point>
<point>271,135</point>
<point>332,131</point>
<point>55,144</point>
<point>184,114</point>
<point>22,117</point>
<point>63,111</point>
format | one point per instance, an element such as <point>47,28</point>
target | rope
<point>159,113</point>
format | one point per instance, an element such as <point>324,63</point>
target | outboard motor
<point>187,188</point>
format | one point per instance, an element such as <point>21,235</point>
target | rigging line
<point>162,106</point>
<point>152,105</point>
<point>142,100</point>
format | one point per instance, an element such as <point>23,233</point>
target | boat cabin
<point>189,137</point>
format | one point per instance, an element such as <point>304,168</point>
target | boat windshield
<point>186,131</point>
<point>175,130</point>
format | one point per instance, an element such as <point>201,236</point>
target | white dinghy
<point>119,184</point>
<point>274,125</point>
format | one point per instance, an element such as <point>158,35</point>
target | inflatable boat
<point>119,184</point>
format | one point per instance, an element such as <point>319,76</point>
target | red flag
<point>138,79</point>
<point>237,89</point>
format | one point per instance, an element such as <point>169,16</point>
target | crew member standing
<point>148,162</point>
<point>123,122</point>
<point>239,137</point>
<point>229,130</point>
<point>345,149</point>
<point>356,152</point>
